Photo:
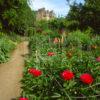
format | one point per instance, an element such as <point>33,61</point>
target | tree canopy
<point>86,15</point>
<point>16,16</point>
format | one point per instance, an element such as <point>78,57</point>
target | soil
<point>11,73</point>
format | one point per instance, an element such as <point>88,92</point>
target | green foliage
<point>53,24</point>
<point>48,31</point>
<point>41,24</point>
<point>15,37</point>
<point>72,25</point>
<point>25,20</point>
<point>0,26</point>
<point>16,16</point>
<point>78,39</point>
<point>50,86</point>
<point>57,23</point>
<point>96,40</point>
<point>86,15</point>
<point>31,31</point>
<point>10,15</point>
<point>6,46</point>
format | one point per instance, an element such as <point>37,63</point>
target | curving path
<point>11,73</point>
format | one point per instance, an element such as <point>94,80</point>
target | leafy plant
<point>6,46</point>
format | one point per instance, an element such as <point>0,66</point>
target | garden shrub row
<point>6,46</point>
<point>62,70</point>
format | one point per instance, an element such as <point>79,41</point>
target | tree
<point>16,15</point>
<point>87,15</point>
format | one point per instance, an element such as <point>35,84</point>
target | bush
<point>79,39</point>
<point>31,31</point>
<point>6,46</point>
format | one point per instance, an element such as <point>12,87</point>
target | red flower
<point>50,53</point>
<point>98,59</point>
<point>34,72</point>
<point>86,78</point>
<point>67,75</point>
<point>31,70</point>
<point>23,98</point>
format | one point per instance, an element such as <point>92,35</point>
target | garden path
<point>11,73</point>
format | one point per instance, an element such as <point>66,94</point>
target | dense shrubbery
<point>58,72</point>
<point>6,46</point>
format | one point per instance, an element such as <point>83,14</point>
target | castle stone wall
<point>43,14</point>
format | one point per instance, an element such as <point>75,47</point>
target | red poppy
<point>50,53</point>
<point>23,98</point>
<point>31,70</point>
<point>98,59</point>
<point>67,75</point>
<point>86,78</point>
<point>34,72</point>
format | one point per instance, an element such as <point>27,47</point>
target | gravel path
<point>11,73</point>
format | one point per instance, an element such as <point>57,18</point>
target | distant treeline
<point>85,15</point>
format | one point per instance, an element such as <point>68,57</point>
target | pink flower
<point>67,75</point>
<point>86,78</point>
<point>98,59</point>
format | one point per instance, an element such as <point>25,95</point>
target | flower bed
<point>56,71</point>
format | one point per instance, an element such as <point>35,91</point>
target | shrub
<point>6,46</point>
<point>79,39</point>
<point>31,31</point>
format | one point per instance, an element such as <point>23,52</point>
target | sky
<point>60,7</point>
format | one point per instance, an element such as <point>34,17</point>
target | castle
<point>43,14</point>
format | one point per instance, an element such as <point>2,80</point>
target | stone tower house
<point>43,14</point>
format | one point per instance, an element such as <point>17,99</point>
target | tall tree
<point>16,15</point>
<point>87,14</point>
